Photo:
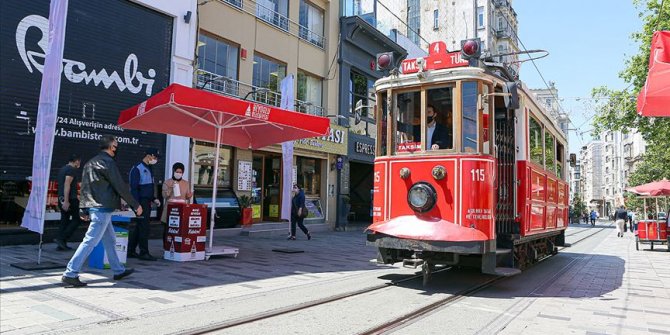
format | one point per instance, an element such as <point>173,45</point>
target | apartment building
<point>591,181</point>
<point>245,49</point>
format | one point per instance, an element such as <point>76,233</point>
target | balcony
<point>231,87</point>
<point>311,37</point>
<point>270,16</point>
<point>504,33</point>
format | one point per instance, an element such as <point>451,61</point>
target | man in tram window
<point>437,134</point>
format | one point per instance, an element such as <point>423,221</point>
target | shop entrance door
<point>266,193</point>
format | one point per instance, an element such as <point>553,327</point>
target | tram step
<point>503,251</point>
<point>412,263</point>
<point>506,272</point>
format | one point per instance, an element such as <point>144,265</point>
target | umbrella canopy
<point>654,97</point>
<point>657,188</point>
<point>185,111</point>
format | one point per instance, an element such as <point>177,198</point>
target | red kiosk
<point>652,231</point>
<point>186,232</point>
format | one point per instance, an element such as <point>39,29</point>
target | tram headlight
<point>421,197</point>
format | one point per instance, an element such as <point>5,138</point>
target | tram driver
<point>437,134</point>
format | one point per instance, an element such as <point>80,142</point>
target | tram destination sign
<point>438,58</point>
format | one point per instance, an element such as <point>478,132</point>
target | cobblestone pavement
<point>616,290</point>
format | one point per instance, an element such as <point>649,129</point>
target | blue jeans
<point>100,229</point>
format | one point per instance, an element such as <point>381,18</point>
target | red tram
<point>470,169</point>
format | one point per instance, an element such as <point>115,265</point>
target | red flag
<point>654,98</point>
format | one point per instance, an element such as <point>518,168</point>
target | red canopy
<point>654,98</point>
<point>185,111</point>
<point>657,188</point>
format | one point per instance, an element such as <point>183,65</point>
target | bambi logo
<point>248,111</point>
<point>259,112</point>
<point>76,72</point>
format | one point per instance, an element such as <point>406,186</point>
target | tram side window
<point>382,125</point>
<point>535,139</point>
<point>549,152</point>
<point>469,130</point>
<point>440,133</point>
<point>408,122</point>
<point>559,159</point>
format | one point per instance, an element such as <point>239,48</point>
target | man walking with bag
<point>101,188</point>
<point>68,202</point>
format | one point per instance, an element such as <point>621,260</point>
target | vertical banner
<point>287,102</point>
<point>47,112</point>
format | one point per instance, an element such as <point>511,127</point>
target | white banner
<point>287,102</point>
<point>47,112</point>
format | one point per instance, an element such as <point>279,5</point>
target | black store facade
<point>111,62</point>
<point>360,43</point>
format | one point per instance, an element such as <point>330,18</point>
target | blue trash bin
<point>98,257</point>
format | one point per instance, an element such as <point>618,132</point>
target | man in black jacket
<point>437,135</point>
<point>101,187</point>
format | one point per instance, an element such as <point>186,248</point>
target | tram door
<point>504,140</point>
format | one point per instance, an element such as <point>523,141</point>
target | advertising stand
<point>186,235</point>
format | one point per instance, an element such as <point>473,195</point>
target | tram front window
<point>408,122</point>
<point>439,119</point>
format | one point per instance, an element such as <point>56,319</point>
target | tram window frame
<point>469,114</point>
<point>560,157</point>
<point>549,151</point>
<point>395,115</point>
<point>443,115</point>
<point>539,141</point>
<point>381,111</point>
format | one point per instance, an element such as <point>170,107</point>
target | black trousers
<point>295,219</point>
<point>140,235</point>
<point>69,220</point>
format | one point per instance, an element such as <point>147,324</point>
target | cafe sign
<point>335,142</point>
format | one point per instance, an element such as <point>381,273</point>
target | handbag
<point>305,212</point>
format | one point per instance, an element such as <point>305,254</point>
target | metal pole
<point>39,251</point>
<point>214,188</point>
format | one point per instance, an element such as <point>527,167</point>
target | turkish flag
<point>654,98</point>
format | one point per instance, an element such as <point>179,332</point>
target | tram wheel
<point>426,271</point>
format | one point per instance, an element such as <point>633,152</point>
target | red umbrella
<point>185,111</point>
<point>657,188</point>
<point>654,98</point>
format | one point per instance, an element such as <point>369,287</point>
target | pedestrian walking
<point>143,189</point>
<point>298,212</point>
<point>101,188</point>
<point>593,215</point>
<point>620,216</point>
<point>175,189</point>
<point>68,201</point>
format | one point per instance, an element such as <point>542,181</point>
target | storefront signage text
<point>335,142</point>
<point>364,148</point>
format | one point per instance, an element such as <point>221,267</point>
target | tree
<point>578,207</point>
<point>617,108</point>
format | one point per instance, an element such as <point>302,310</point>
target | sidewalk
<point>613,290</point>
<point>35,302</point>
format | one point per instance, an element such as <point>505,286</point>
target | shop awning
<point>654,98</point>
<point>185,111</point>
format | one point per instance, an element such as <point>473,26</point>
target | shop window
<point>535,139</point>
<point>549,152</point>
<point>311,23</point>
<point>309,174</point>
<point>440,105</point>
<point>470,117</point>
<point>203,170</point>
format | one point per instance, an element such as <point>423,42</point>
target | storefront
<point>361,171</point>
<point>259,175</point>
<point>111,62</point>
<point>360,43</point>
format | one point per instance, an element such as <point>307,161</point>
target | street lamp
<point>256,90</point>
<point>210,80</point>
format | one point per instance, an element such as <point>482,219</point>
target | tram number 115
<point>477,174</point>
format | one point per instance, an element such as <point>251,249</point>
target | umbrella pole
<point>214,188</point>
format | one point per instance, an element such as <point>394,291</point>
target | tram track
<point>386,327</point>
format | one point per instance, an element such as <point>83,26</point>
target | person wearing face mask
<point>297,214</point>
<point>175,189</point>
<point>437,135</point>
<point>101,189</point>
<point>143,188</point>
<point>68,202</point>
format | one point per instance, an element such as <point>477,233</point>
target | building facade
<point>548,98</point>
<point>591,181</point>
<point>634,147</point>
<point>575,180</point>
<point>111,62</point>
<point>613,173</point>
<point>245,49</point>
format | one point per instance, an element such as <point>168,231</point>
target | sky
<point>588,42</point>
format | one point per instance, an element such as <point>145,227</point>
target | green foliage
<point>617,108</point>
<point>245,201</point>
<point>578,207</point>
